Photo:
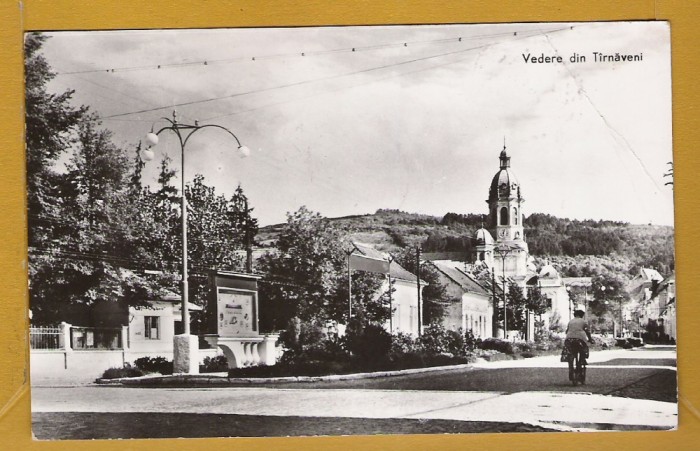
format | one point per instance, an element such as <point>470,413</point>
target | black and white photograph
<point>350,230</point>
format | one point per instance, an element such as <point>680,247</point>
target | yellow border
<point>16,17</point>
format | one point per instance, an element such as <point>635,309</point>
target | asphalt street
<point>625,390</point>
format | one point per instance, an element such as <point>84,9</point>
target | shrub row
<point>161,365</point>
<point>365,347</point>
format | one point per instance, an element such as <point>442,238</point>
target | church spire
<point>505,159</point>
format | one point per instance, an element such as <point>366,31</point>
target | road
<point>626,390</point>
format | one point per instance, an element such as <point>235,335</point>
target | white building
<point>407,307</point>
<point>470,306</point>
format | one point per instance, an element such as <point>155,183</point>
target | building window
<point>152,327</point>
<point>515,216</point>
<point>504,216</point>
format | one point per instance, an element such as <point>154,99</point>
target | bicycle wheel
<point>573,370</point>
<point>582,374</point>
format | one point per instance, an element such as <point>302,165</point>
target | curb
<point>197,380</point>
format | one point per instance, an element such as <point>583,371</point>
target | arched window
<point>504,215</point>
<point>481,256</point>
<point>515,216</point>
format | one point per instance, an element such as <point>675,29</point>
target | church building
<point>506,258</point>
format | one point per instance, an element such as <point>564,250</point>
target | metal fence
<point>45,337</point>
<point>96,338</point>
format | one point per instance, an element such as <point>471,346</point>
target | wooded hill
<point>576,247</point>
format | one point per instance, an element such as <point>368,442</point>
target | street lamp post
<point>503,252</point>
<point>185,360</point>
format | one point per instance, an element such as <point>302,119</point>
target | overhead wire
<point>315,80</point>
<point>302,53</point>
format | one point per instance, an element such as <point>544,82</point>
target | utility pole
<point>349,287</point>
<point>420,320</point>
<point>391,309</point>
<point>494,316</point>
<point>503,252</point>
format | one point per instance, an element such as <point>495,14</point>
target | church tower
<point>506,220</point>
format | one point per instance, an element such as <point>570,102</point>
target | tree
<point>50,120</point>
<point>537,303</point>
<point>516,307</point>
<point>307,276</point>
<point>434,295</point>
<point>240,215</point>
<point>89,258</point>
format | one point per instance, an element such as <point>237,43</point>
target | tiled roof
<point>395,270</point>
<point>577,281</point>
<point>467,282</point>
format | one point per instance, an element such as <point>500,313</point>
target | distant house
<point>471,304</point>
<point>553,287</point>
<point>108,334</point>
<point>655,304</point>
<point>406,306</point>
<point>666,295</point>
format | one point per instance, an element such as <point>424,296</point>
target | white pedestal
<point>186,354</point>
<point>246,351</point>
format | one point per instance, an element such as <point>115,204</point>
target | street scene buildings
<point>160,262</point>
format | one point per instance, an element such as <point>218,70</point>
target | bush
<point>402,343</point>
<point>603,342</point>
<point>497,344</point>
<point>436,340</point>
<point>126,371</point>
<point>214,364</point>
<point>154,365</point>
<point>369,343</point>
<point>629,342</point>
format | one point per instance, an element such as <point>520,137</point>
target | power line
<point>301,53</point>
<point>314,80</point>
<point>137,265</point>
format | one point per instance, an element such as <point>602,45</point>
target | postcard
<point>358,230</point>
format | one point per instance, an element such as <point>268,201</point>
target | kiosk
<point>233,316</point>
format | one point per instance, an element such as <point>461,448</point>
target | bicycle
<point>577,369</point>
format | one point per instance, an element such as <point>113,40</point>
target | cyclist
<point>575,344</point>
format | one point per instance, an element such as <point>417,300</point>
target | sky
<point>413,118</point>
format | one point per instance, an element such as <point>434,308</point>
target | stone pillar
<point>125,338</point>
<point>186,354</point>
<point>64,338</point>
<point>248,359</point>
<point>267,350</point>
<point>256,356</point>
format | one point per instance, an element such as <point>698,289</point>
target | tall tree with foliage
<point>246,226</point>
<point>50,120</point>
<point>434,295</point>
<point>516,307</point>
<point>537,304</point>
<point>307,276</point>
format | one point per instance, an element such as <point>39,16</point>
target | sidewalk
<point>555,410</point>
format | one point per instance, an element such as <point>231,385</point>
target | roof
<point>577,281</point>
<point>451,269</point>
<point>649,274</point>
<point>396,271</point>
<point>664,284</point>
<point>483,236</point>
<point>504,183</point>
<point>170,296</point>
<point>548,271</point>
<point>430,256</point>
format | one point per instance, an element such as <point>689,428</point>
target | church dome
<point>504,183</point>
<point>548,271</point>
<point>483,237</point>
